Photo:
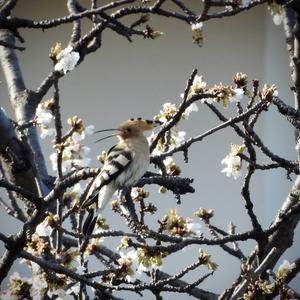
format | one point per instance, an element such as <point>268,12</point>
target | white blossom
<point>189,109</point>
<point>197,87</point>
<point>67,59</point>
<point>43,115</point>
<point>233,166</point>
<point>286,265</point>
<point>178,136</point>
<point>157,151</point>
<point>124,210</point>
<point>277,19</point>
<point>134,192</point>
<point>65,166</point>
<point>142,268</point>
<point>197,26</point>
<point>43,230</point>
<point>168,160</point>
<point>38,287</point>
<point>74,155</point>
<point>77,137</point>
<point>89,130</point>
<point>198,82</point>
<point>194,227</point>
<point>47,131</point>
<point>132,257</point>
<point>238,95</point>
<point>168,111</point>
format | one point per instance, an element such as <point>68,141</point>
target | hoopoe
<point>125,163</point>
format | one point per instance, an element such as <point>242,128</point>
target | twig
<point>227,123</point>
<point>76,32</point>
<point>261,268</point>
<point>58,142</point>
<point>176,118</point>
<point>10,211</point>
<point>62,270</point>
<point>28,195</point>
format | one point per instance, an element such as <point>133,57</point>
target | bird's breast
<point>136,169</point>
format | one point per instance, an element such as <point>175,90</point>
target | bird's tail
<point>101,198</point>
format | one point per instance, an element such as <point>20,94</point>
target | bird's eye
<point>128,129</point>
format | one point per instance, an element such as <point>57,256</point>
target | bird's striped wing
<point>118,160</point>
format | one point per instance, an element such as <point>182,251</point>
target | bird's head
<point>131,128</point>
<point>136,126</point>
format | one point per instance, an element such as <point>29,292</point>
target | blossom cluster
<point>42,285</point>
<point>65,59</point>
<point>44,116</point>
<point>268,92</point>
<point>220,93</point>
<point>72,149</point>
<point>73,152</point>
<point>284,269</point>
<point>133,262</point>
<point>197,35</point>
<point>205,259</point>
<point>204,214</point>
<point>224,94</point>
<point>151,33</point>
<point>233,162</point>
<point>176,225</point>
<point>173,137</point>
<point>277,12</point>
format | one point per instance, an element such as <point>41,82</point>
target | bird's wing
<point>117,160</point>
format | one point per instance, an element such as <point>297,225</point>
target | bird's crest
<point>140,124</point>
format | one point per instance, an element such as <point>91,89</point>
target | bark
<point>33,175</point>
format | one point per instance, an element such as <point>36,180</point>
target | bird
<point>124,165</point>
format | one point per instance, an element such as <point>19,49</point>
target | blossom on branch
<point>198,87</point>
<point>238,95</point>
<point>173,137</point>
<point>284,269</point>
<point>233,162</point>
<point>67,60</point>
<point>45,228</point>
<point>277,12</point>
<point>171,167</point>
<point>225,94</point>
<point>197,33</point>
<point>44,117</point>
<point>149,260</point>
<point>74,153</point>
<point>128,263</point>
<point>176,225</point>
<point>205,258</point>
<point>191,108</point>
